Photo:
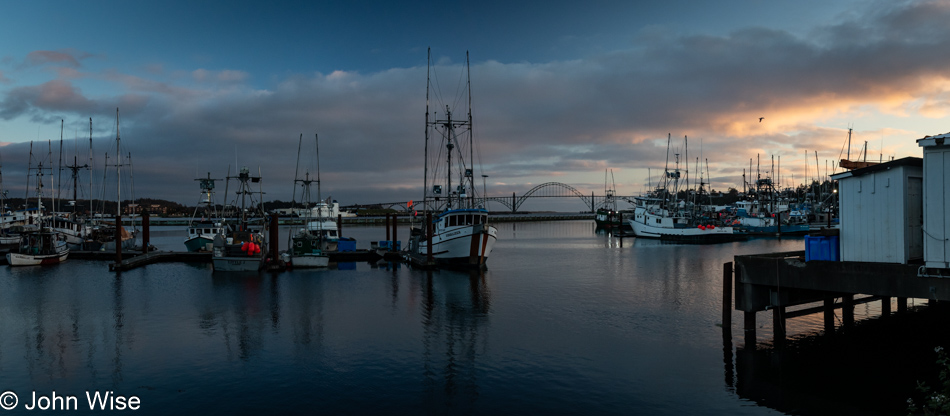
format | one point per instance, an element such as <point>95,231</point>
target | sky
<point>562,91</point>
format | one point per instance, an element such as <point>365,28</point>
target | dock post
<point>620,233</point>
<point>274,237</point>
<point>118,238</point>
<point>901,305</point>
<point>387,226</point>
<point>749,317</point>
<point>885,306</point>
<point>778,326</point>
<point>392,246</point>
<point>727,297</point>
<point>847,310</point>
<point>145,236</point>
<point>339,225</point>
<point>829,315</point>
<point>428,238</point>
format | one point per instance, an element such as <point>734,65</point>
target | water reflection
<point>454,316</point>
<point>882,358</point>
<point>240,307</point>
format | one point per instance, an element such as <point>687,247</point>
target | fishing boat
<point>762,212</point>
<point>308,246</point>
<point>241,246</point>
<point>104,235</point>
<point>459,234</point>
<point>607,215</point>
<point>662,215</point>
<point>40,247</point>
<point>202,228</point>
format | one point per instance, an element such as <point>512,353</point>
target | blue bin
<point>384,244</point>
<point>346,244</point>
<point>823,248</point>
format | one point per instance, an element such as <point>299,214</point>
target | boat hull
<point>309,261</point>
<point>200,243</point>
<point>693,235</point>
<point>17,259</point>
<point>466,247</point>
<point>797,229</point>
<point>236,264</point>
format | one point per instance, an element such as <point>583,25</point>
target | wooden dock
<point>780,281</point>
<point>159,257</point>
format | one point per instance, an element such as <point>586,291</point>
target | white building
<point>881,212</point>
<point>936,198</point>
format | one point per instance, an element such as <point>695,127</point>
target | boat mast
<point>59,177</point>
<point>118,167</point>
<point>92,194</point>
<point>316,138</point>
<point>425,169</point>
<point>471,161</point>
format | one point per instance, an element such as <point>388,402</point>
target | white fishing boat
<point>42,247</point>
<point>242,246</point>
<point>308,246</point>
<point>204,227</point>
<point>662,215</point>
<point>460,234</point>
<point>321,221</point>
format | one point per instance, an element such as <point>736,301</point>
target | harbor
<point>565,295</point>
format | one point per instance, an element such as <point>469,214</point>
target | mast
<point>59,177</point>
<point>118,173</point>
<point>92,194</point>
<point>425,169</point>
<point>316,138</point>
<point>849,143</point>
<point>469,173</point>
<point>293,200</point>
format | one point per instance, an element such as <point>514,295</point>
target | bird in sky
<point>760,119</point>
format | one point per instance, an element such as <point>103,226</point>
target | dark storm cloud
<point>532,120</point>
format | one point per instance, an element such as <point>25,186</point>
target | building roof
<point>937,140</point>
<point>907,161</point>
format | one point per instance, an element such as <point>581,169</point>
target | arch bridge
<point>514,202</point>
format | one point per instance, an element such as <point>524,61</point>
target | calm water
<point>565,321</point>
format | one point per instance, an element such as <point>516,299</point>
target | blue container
<point>346,244</point>
<point>384,244</point>
<point>823,248</point>
<point>398,245</point>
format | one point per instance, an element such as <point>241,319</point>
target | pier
<point>781,282</point>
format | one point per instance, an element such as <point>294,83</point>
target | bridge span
<point>514,202</point>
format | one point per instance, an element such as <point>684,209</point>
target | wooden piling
<point>118,237</point>
<point>778,325</point>
<point>387,226</point>
<point>885,306</point>
<point>749,325</point>
<point>620,230</point>
<point>145,235</point>
<point>727,296</point>
<point>901,305</point>
<point>393,246</point>
<point>829,315</point>
<point>339,225</point>
<point>847,310</point>
<point>274,237</point>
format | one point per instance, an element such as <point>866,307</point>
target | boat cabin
<point>462,217</point>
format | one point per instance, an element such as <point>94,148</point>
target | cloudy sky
<point>562,90</point>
